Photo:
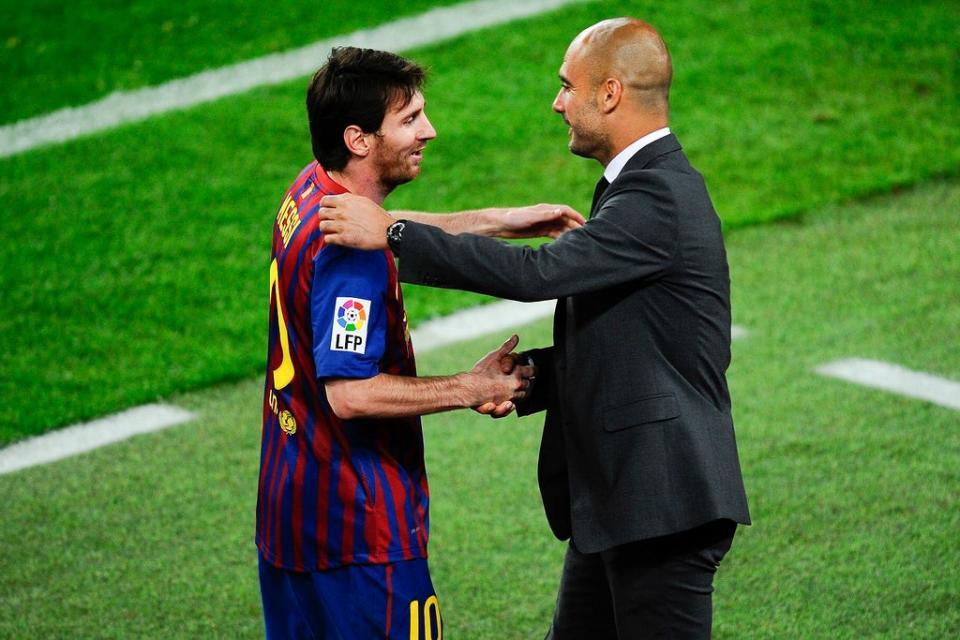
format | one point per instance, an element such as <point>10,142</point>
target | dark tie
<point>598,193</point>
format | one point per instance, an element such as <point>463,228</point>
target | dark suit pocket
<point>652,408</point>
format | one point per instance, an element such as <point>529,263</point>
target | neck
<point>361,182</point>
<point>623,137</point>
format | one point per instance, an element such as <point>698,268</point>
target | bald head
<point>615,85</point>
<point>632,52</point>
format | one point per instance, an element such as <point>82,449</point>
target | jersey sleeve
<point>348,312</point>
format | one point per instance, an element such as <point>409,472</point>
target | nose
<point>428,132</point>
<point>558,103</point>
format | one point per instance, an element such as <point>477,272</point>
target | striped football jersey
<point>334,492</point>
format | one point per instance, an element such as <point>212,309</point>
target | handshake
<point>501,378</point>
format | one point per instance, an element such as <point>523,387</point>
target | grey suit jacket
<point>638,440</point>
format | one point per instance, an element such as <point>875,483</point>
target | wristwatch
<point>395,233</point>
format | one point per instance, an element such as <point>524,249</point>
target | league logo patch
<point>350,325</point>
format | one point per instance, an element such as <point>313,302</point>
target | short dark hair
<point>355,87</point>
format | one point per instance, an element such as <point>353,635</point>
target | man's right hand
<point>504,366</point>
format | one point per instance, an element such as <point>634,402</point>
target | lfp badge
<point>350,325</point>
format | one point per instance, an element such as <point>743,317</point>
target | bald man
<point>638,463</point>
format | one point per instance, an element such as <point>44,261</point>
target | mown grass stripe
<point>122,107</point>
<point>69,441</point>
<point>895,379</point>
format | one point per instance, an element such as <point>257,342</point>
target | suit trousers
<point>659,588</point>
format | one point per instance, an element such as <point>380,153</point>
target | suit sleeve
<point>632,237</point>
<point>543,391</point>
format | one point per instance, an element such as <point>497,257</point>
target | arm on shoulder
<point>533,221</point>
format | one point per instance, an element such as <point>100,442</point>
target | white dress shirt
<point>620,160</point>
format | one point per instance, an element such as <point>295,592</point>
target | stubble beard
<point>587,138</point>
<point>588,143</point>
<point>396,168</point>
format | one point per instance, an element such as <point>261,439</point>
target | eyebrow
<point>409,110</point>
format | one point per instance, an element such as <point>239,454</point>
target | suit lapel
<point>598,192</point>
<point>640,159</point>
<point>655,149</point>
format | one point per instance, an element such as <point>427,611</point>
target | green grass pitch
<point>134,268</point>
<point>854,492</point>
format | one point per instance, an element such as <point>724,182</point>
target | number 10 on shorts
<point>431,620</point>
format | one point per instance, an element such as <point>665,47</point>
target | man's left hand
<point>539,221</point>
<point>353,221</point>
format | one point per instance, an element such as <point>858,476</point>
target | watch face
<point>395,230</point>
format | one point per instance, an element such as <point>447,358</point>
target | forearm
<point>483,265</point>
<point>482,222</point>
<point>620,244</point>
<point>391,396</point>
<point>358,222</point>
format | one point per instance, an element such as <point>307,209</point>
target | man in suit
<point>638,463</point>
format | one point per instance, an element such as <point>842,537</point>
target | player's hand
<point>508,363</point>
<point>539,220</point>
<point>496,410</point>
<point>512,360</point>
<point>353,221</point>
<point>503,374</point>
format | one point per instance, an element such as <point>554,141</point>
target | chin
<point>396,181</point>
<point>579,151</point>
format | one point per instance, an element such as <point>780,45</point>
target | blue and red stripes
<point>333,492</point>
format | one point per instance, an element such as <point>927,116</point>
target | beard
<point>588,141</point>
<point>587,137</point>
<point>586,144</point>
<point>395,167</point>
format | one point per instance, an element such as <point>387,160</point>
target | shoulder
<point>642,189</point>
<point>345,262</point>
<point>644,180</point>
<point>667,178</point>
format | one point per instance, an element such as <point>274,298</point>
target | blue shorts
<point>395,600</point>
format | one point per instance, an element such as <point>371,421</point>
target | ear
<point>356,141</point>
<point>609,95</point>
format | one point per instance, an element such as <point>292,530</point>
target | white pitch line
<point>490,318</point>
<point>478,321</point>
<point>895,379</point>
<point>70,441</point>
<point>122,107</point>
